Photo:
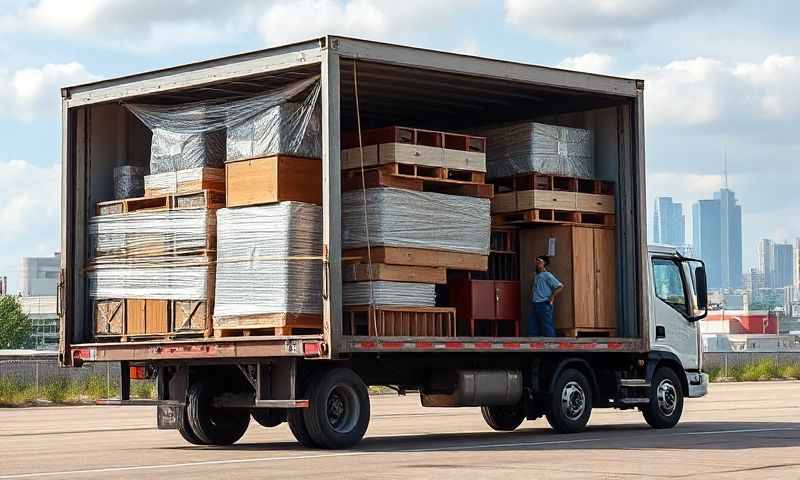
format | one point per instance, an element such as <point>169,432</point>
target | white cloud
<point>591,62</point>
<point>285,22</point>
<point>137,25</point>
<point>610,22</point>
<point>709,92</point>
<point>29,212</point>
<point>33,91</point>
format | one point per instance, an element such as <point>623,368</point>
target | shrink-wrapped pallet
<point>382,293</point>
<point>173,150</point>
<point>268,261</point>
<point>536,147</point>
<point>163,278</point>
<point>406,218</point>
<point>128,182</point>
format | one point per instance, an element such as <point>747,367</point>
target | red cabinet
<point>486,300</point>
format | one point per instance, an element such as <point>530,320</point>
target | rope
<point>364,197</point>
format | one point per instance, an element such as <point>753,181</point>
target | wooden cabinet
<point>584,260</point>
<point>485,300</point>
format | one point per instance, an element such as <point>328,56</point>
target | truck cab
<point>679,300</point>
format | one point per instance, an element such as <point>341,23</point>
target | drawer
<point>459,159</point>
<point>411,154</point>
<point>351,157</point>
<point>546,199</point>
<point>595,203</point>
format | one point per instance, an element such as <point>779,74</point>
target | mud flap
<point>167,417</point>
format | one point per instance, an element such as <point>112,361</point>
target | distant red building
<point>752,322</point>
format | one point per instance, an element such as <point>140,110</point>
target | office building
<point>669,222</point>
<point>717,238</point>
<point>42,312</point>
<point>39,275</point>
<point>783,257</point>
<point>766,260</point>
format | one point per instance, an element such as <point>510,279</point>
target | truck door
<point>678,305</point>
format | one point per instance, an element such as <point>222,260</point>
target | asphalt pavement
<point>747,430</point>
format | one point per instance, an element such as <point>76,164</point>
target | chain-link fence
<point>729,360</point>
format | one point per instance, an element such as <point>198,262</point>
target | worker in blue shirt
<point>545,288</point>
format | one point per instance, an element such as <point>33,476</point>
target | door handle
<point>661,332</point>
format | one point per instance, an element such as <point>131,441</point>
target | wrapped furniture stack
<point>418,207</point>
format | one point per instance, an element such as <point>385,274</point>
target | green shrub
<point>790,371</point>
<point>56,390</point>
<point>143,389</point>
<point>764,369</point>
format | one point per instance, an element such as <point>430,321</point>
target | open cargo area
<point>341,196</point>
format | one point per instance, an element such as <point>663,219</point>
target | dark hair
<point>545,259</point>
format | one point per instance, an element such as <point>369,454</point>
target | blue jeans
<point>540,323</point>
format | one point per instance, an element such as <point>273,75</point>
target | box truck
<point>210,385</point>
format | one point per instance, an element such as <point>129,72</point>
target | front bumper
<point>698,384</point>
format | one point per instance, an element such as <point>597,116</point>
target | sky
<point>720,76</point>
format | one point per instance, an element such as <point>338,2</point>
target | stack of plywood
<point>426,209</point>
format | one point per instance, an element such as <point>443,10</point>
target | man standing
<point>545,288</point>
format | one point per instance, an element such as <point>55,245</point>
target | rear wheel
<point>269,417</point>
<point>297,425</point>
<point>214,425</point>
<point>666,400</point>
<point>570,402</point>
<point>185,429</point>
<point>503,419</point>
<point>338,411</point>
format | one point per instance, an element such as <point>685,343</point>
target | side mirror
<point>701,286</point>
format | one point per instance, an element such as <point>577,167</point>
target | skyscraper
<point>766,261</point>
<point>669,222</point>
<point>796,264</point>
<point>783,256</point>
<point>717,238</point>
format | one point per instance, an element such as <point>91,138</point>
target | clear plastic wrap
<point>151,233</point>
<point>405,218</point>
<point>171,151</point>
<point>193,134</point>
<point>167,278</point>
<point>268,260</point>
<point>400,294</point>
<point>168,182</point>
<point>537,147</point>
<point>128,181</point>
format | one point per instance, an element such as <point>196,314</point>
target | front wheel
<point>570,402</point>
<point>503,419</point>
<point>666,400</point>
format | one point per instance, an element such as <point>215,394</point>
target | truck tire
<point>570,402</point>
<point>297,425</point>
<point>666,399</point>
<point>185,429</point>
<point>503,419</point>
<point>338,411</point>
<point>269,417</point>
<point>213,425</point>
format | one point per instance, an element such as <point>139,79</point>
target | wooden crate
<point>360,272</point>
<point>273,179</point>
<point>109,317</point>
<point>190,315</point>
<point>277,323</point>
<point>397,321</point>
<point>419,257</point>
<point>206,178</point>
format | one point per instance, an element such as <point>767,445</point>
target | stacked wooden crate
<point>151,267</point>
<point>545,186</point>
<point>408,179</point>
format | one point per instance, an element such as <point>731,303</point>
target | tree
<point>15,326</point>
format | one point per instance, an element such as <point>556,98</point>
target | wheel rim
<point>667,397</point>
<point>342,408</point>
<point>573,401</point>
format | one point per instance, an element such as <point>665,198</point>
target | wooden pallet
<point>586,332</point>
<point>209,199</point>
<point>398,321</point>
<point>202,178</point>
<point>267,324</point>
<point>419,257</point>
<point>374,178</point>
<point>539,181</point>
<point>416,136</point>
<point>360,272</point>
<point>428,172</point>
<point>560,217</point>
